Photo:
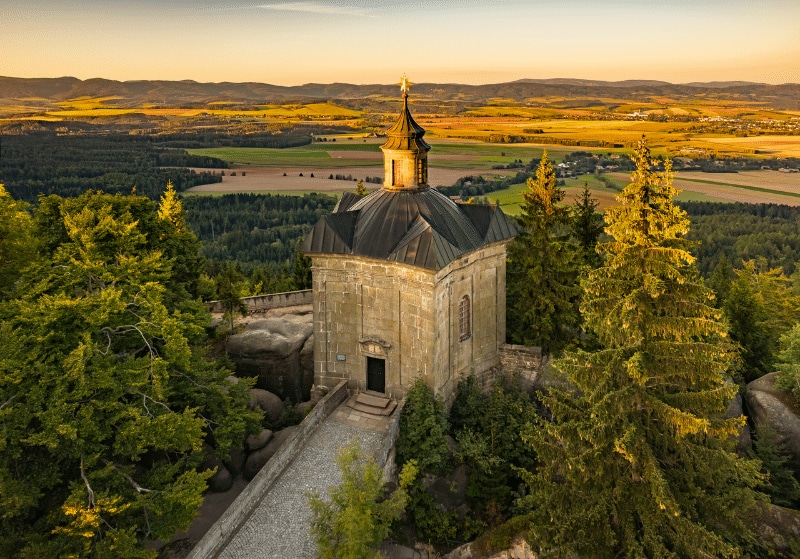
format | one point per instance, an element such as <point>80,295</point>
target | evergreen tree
<point>543,268</point>
<point>360,190</point>
<point>17,246</point>
<point>423,427</point>
<point>587,225</point>
<point>761,306</point>
<point>789,363</point>
<point>638,460</point>
<point>721,280</point>
<point>231,287</point>
<point>107,396</point>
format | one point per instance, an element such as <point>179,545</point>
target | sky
<point>292,42</point>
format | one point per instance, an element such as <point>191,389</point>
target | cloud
<point>321,8</point>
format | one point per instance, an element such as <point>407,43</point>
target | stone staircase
<point>372,404</point>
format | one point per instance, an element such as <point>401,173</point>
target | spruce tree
<point>638,459</point>
<point>543,268</point>
<point>587,225</point>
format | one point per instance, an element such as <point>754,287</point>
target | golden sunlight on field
<point>781,146</point>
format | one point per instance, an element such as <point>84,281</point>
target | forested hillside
<point>47,163</point>
<point>254,229</point>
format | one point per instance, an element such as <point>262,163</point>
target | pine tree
<point>17,246</point>
<point>543,268</point>
<point>360,190</point>
<point>170,207</point>
<point>638,459</point>
<point>587,225</point>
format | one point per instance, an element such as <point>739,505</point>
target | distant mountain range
<point>189,93</point>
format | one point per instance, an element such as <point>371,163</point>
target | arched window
<point>464,319</point>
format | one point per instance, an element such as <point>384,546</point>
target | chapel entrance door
<point>376,374</point>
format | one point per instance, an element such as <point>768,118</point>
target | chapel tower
<point>406,282</point>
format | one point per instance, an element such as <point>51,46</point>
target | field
<point>749,186</point>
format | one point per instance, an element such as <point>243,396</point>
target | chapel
<point>406,282</point>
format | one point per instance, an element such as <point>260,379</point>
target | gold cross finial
<point>405,85</point>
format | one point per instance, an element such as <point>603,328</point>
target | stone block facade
<point>410,317</point>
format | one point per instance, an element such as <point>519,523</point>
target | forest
<point>126,271</point>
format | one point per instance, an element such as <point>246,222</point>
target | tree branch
<point>88,487</point>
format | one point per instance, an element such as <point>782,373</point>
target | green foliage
<point>255,229</point>
<point>587,225</point>
<point>423,427</point>
<point>107,394</point>
<point>69,165</point>
<point>488,430</point>
<point>781,485</point>
<point>301,273</point>
<point>17,247</point>
<point>638,460</point>
<point>760,307</point>
<point>231,287</point>
<point>789,363</point>
<point>357,518</point>
<point>543,268</point>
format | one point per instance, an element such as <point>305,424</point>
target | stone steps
<point>372,405</point>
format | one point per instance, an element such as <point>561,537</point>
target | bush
<point>423,427</point>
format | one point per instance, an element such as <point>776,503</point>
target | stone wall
<point>223,529</point>
<point>480,276</point>
<point>524,361</point>
<point>408,316</point>
<point>365,307</point>
<point>263,303</point>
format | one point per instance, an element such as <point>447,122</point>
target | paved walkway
<point>279,527</point>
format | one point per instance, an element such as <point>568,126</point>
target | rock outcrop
<point>257,458</point>
<point>279,352</point>
<point>270,404</point>
<point>774,409</point>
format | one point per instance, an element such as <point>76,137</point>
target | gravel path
<point>279,527</point>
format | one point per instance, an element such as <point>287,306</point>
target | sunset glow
<point>291,42</point>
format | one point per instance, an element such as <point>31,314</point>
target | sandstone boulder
<point>257,459</point>
<point>778,527</point>
<point>254,442</point>
<point>235,464</point>
<point>268,402</point>
<point>272,349</point>
<point>775,409</point>
<point>736,409</point>
<point>222,480</point>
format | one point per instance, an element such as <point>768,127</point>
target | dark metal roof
<point>492,224</point>
<point>406,134</point>
<point>418,227</point>
<point>347,200</point>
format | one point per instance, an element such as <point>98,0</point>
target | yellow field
<point>99,107</point>
<point>785,146</point>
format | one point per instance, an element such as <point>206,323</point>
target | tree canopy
<point>638,461</point>
<point>107,396</point>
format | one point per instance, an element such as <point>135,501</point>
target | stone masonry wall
<point>225,527</point>
<point>480,275</point>
<point>263,303</point>
<point>356,308</point>
<point>524,361</point>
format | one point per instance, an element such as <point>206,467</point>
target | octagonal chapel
<point>407,283</point>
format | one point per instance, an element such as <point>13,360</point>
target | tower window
<point>464,319</point>
<point>394,172</point>
<point>420,172</point>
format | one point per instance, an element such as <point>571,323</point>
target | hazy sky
<point>291,42</point>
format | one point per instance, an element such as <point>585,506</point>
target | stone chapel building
<point>407,283</point>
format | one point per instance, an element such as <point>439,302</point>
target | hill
<point>188,93</point>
